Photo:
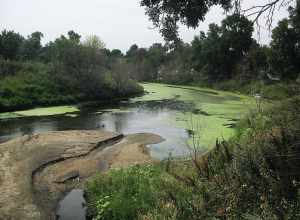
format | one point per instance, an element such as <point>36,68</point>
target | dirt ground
<point>37,170</point>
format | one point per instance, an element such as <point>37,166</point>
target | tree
<point>217,53</point>
<point>139,66</point>
<point>132,50</point>
<point>32,46</point>
<point>236,39</point>
<point>210,57</point>
<point>145,63</point>
<point>73,36</point>
<point>10,43</point>
<point>254,64</point>
<point>156,56</point>
<point>237,33</point>
<point>116,53</point>
<point>295,16</point>
<point>177,66</point>
<point>166,14</point>
<point>76,68</point>
<point>94,41</point>
<point>285,45</point>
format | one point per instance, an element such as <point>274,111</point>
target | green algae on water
<point>213,110</point>
<point>47,111</point>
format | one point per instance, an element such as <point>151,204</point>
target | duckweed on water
<point>58,110</point>
<point>170,111</point>
<point>213,110</point>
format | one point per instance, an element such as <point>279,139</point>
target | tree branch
<point>268,8</point>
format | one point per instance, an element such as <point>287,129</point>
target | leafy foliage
<point>94,41</point>
<point>10,43</point>
<point>285,45</point>
<point>64,71</point>
<point>166,14</point>
<point>31,47</point>
<point>217,53</point>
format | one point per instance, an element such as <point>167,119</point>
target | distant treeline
<point>63,71</point>
<point>69,70</point>
<point>226,52</point>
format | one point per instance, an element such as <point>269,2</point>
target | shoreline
<point>79,103</point>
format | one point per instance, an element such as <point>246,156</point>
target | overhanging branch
<point>269,9</point>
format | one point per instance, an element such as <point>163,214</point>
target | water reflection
<point>131,119</point>
<point>72,207</point>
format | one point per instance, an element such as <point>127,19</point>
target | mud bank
<point>37,170</point>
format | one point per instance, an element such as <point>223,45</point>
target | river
<point>170,111</point>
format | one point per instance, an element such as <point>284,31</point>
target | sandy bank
<point>35,171</point>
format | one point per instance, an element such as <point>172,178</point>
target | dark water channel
<point>72,207</point>
<point>123,117</point>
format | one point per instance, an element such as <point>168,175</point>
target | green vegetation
<point>125,193</point>
<point>255,175</point>
<point>167,14</point>
<point>59,110</point>
<point>62,72</point>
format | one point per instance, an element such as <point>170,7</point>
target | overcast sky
<point>119,23</point>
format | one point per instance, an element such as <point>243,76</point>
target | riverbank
<point>80,102</point>
<point>272,90</point>
<point>49,110</point>
<point>37,170</point>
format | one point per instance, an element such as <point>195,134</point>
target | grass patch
<point>125,193</point>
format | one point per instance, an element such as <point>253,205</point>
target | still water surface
<point>164,110</point>
<point>128,120</point>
